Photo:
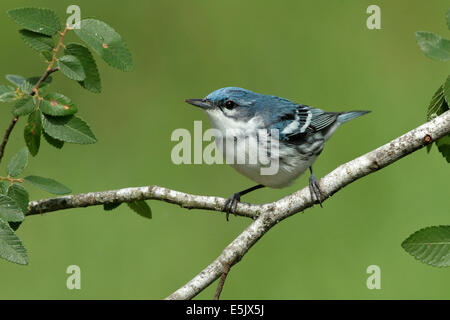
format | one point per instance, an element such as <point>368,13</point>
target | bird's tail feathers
<point>347,116</point>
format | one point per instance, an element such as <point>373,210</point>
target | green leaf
<point>15,79</point>
<point>7,93</point>
<point>56,104</point>
<point>47,55</point>
<point>11,205</point>
<point>438,105</point>
<point>68,129</point>
<point>26,87</point>
<point>430,245</point>
<point>18,163</point>
<point>443,145</point>
<point>447,91</point>
<point>20,196</point>
<point>111,206</point>
<point>37,41</point>
<point>433,45</point>
<point>11,247</point>
<point>92,81</point>
<point>3,187</point>
<point>71,67</point>
<point>24,106</point>
<point>141,207</point>
<point>106,42</point>
<point>9,210</point>
<point>47,184</point>
<point>39,20</point>
<point>58,144</point>
<point>32,132</point>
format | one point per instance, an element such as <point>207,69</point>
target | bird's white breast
<point>290,163</point>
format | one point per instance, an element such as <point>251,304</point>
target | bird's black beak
<point>201,103</point>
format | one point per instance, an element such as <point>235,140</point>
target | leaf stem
<point>58,46</point>
<point>11,180</point>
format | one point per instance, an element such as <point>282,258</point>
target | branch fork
<point>264,216</point>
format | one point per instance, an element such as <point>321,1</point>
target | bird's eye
<point>230,104</point>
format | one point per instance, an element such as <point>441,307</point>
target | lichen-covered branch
<point>266,215</point>
<point>184,200</point>
<point>272,213</point>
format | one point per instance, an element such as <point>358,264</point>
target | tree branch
<point>265,215</point>
<point>185,200</point>
<point>272,213</point>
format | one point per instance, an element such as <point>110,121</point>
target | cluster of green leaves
<point>51,114</point>
<point>431,245</point>
<point>438,48</point>
<point>14,201</point>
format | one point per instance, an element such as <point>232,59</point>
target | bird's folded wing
<point>300,120</point>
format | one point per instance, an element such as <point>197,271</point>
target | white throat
<point>223,123</point>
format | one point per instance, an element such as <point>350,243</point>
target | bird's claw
<point>314,189</point>
<point>231,204</point>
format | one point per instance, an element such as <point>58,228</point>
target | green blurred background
<point>313,52</point>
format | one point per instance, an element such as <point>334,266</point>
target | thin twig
<point>11,180</point>
<point>44,77</point>
<point>223,277</point>
<point>58,46</point>
<point>6,136</point>
<point>185,200</point>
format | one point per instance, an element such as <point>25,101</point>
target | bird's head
<point>232,102</point>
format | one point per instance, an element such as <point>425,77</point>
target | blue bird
<point>301,135</point>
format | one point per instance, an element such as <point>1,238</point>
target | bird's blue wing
<point>298,121</point>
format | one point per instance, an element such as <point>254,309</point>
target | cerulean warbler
<point>298,131</point>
